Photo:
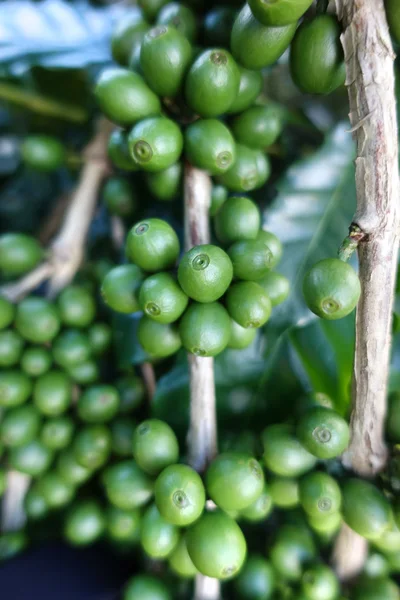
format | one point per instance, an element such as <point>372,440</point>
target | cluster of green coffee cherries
<point>219,297</point>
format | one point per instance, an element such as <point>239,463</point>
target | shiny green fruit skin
<point>146,587</point>
<point>320,583</point>
<point>376,589</point>
<point>209,145</point>
<point>276,286</point>
<point>131,392</point>
<point>180,562</point>
<point>155,143</point>
<point>205,273</point>
<point>251,259</point>
<point>120,288</point>
<point>70,348</point>
<point>85,523</point>
<point>154,446</point>
<point>165,56</point>
<point>35,505</point>
<point>165,185</point>
<point>284,492</point>
<point>218,25</point>
<point>100,335</point>
<point>31,459</point>
<point>98,404</point>
<point>7,313</point>
<point>119,197</point>
<point>283,453</point>
<point>11,347</point>
<point>219,195</point>
<point>123,525</point>
<point>71,470</point>
<point>250,170</point>
<point>92,446</point>
<point>282,12</point>
<point>212,83</point>
<point>393,16</point>
<point>323,432</point>
<point>256,46</point>
<point>260,509</point>
<point>124,97</point>
<point>122,429</point>
<point>250,87</point>
<point>43,153</point>
<point>240,336</point>
<point>234,480</point>
<point>216,546</point>
<point>126,486</point>
<point>56,492</point>
<point>365,509</point>
<point>12,543</point>
<point>118,151</point>
<point>179,495</point>
<point>326,524</point>
<point>205,329</point>
<point>128,29</point>
<point>85,373</point>
<point>248,304</point>
<point>331,289</point>
<point>158,537</point>
<point>292,549</point>
<point>37,320</point>
<point>256,581</point>
<point>257,127</point>
<point>19,253</point>
<point>52,393</point>
<point>19,426</point>
<point>159,340</point>
<point>151,8</point>
<point>238,219</point>
<point>152,245</point>
<point>316,56</point>
<point>162,299</point>
<point>57,432</point>
<point>320,494</point>
<point>36,361</point>
<point>15,388</point>
<point>179,16</point>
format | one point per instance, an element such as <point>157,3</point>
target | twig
<point>370,80</point>
<point>117,232</point>
<point>42,105</point>
<point>202,435</point>
<point>149,379</point>
<point>13,515</point>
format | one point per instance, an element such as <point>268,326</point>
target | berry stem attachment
<point>350,243</point>
<point>370,82</point>
<point>202,435</point>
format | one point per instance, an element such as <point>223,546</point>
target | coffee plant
<point>178,296</point>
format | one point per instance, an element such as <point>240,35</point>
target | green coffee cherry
<point>250,87</point>
<point>69,468</point>
<point>158,537</point>
<point>57,432</point>
<point>37,320</point>
<point>155,143</point>
<point>120,288</point>
<point>7,313</point>
<point>70,348</point>
<point>19,426</point>
<point>292,549</point>
<point>127,31</point>
<point>256,46</point>
<point>19,253</point>
<point>283,453</point>
<point>258,126</point>
<point>57,493</point>
<point>179,16</point>
<point>218,25</point>
<point>152,245</point>
<point>126,486</point>
<point>260,509</point>
<point>205,273</point>
<point>326,524</point>
<point>323,432</point>
<point>85,523</point>
<point>124,97</point>
<point>248,304</point>
<point>92,446</point>
<point>118,151</point>
<point>11,347</point>
<point>282,12</point>
<point>32,458</point>
<point>238,219</point>
<point>119,197</point>
<point>146,587</point>
<point>257,580</point>
<point>154,446</point>
<point>52,393</point>
<point>216,546</point>
<point>162,299</point>
<point>219,195</point>
<point>212,83</point>
<point>122,429</point>
<point>179,495</point>
<point>205,329</point>
<point>209,145</point>
<point>123,526</point>
<point>43,153</point>
<point>36,361</point>
<point>180,562</point>
<point>320,494</point>
<point>165,57</point>
<point>85,373</point>
<point>165,185</point>
<point>365,509</point>
<point>316,56</point>
<point>12,543</point>
<point>375,589</point>
<point>150,9</point>
<point>284,492</point>
<point>276,286</point>
<point>251,259</point>
<point>15,388</point>
<point>320,583</point>
<point>35,505</point>
<point>99,337</point>
<point>234,480</point>
<point>250,170</point>
<point>131,392</point>
<point>98,404</point>
<point>159,340</point>
<point>240,336</point>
